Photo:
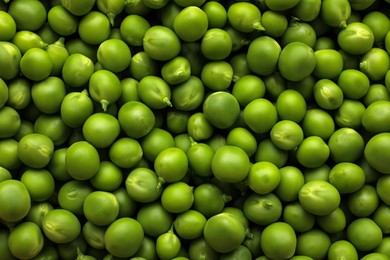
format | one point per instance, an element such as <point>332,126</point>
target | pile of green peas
<point>195,129</point>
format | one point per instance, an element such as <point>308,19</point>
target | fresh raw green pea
<point>57,165</point>
<point>36,64</point>
<point>356,38</point>
<point>375,117</point>
<point>291,60</point>
<point>216,44</point>
<point>375,152</point>
<point>245,17</point>
<point>347,177</point>
<point>230,164</point>
<point>234,232</point>
<point>327,94</point>
<point>147,249</point>
<point>142,185</point>
<point>76,107</point>
<point>313,243</point>
<point>182,141</point>
<point>269,50</point>
<point>335,13</point>
<point>260,115</point>
<point>101,130</point>
<point>127,206</point>
<point>349,114</point>
<point>317,173</point>
<point>9,150</point>
<point>325,42</point>
<point>177,70</point>
<point>199,249</point>
<point>62,21</point>
<point>104,87</point>
<point>78,46</point>
<point>381,186</point>
<point>17,206</point>
<point>375,63</point>
<point>221,109</point>
<point>363,202</point>
<point>168,245</point>
<point>342,248</point>
<point>71,195</point>
<point>47,34</point>
<point>200,157</point>
<point>39,183</point>
<point>318,122</point>
<point>77,8</point>
<point>111,8</point>
<point>161,43</point>
<point>248,88</point>
<point>4,174</point>
<point>346,145</point>
<point>58,54</point>
<point>209,199</point>
<point>155,142</point>
<point>94,28</point>
<point>53,127</point>
<point>376,92</point>
<point>48,94</point>
<point>171,164</point>
<point>129,91</point>
<point>263,177</point>
<point>12,122</point>
<point>77,70</point>
<point>4,92</point>
<point>307,10</point>
<point>297,217</point>
<point>142,65</point>
<point>82,160</point>
<point>61,226</point>
<point>298,31</point>
<point>101,208</point>
<point>239,39</point>
<point>168,14</point>
<point>273,246</point>
<point>189,224</point>
<point>262,209</point>
<point>38,211</point>
<point>387,42</point>
<point>154,92</point>
<point>286,134</point>
<point>94,235</point>
<point>380,216</point>
<point>240,66</point>
<point>26,127</point>
<point>217,75</point>
<point>291,105</point>
<point>119,244</point>
<point>25,240</point>
<point>291,181</point>
<point>184,21</point>
<point>177,197</point>
<point>354,83</point>
<point>312,152</point>
<point>304,87</point>
<point>243,138</point>
<point>269,152</point>
<point>125,152</point>
<point>133,28</point>
<point>383,247</point>
<point>375,255</point>
<point>216,14</point>
<point>136,7</point>
<point>364,234</point>
<point>329,64</point>
<point>28,14</point>
<point>253,243</point>
<point>26,40</point>
<point>275,23</point>
<point>108,178</point>
<point>155,220</point>
<point>7,26</point>
<point>35,150</point>
<point>176,121</point>
<point>241,252</point>
<point>192,51</point>
<point>319,197</point>
<point>379,24</point>
<point>114,55</point>
<point>10,57</point>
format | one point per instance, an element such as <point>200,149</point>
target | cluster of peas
<point>194,129</point>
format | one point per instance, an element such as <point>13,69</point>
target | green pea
<point>114,55</point>
<point>11,120</point>
<point>297,217</point>
<point>154,219</point>
<point>58,54</point>
<point>62,21</point>
<point>189,95</point>
<point>278,5</point>
<point>356,38</point>
<point>269,50</point>
<point>77,69</point>
<point>335,13</point>
<point>307,10</point>
<point>177,70</point>
<point>10,59</point>
<point>154,92</point>
<point>375,63</point>
<point>217,75</point>
<point>244,17</point>
<point>216,14</point>
<point>260,115</point>
<point>318,122</point>
<point>94,27</point>
<point>298,31</point>
<point>275,23</point>
<point>161,43</point>
<point>111,8</point>
<point>104,87</point>
<point>26,40</point>
<point>8,26</point>
<point>274,247</point>
<point>269,152</point>
<point>22,246</point>
<point>48,94</point>
<point>248,88</point>
<point>313,243</point>
<point>28,14</point>
<point>142,185</point>
<point>82,160</point>
<point>184,21</point>
<point>312,152</point>
<point>155,142</point>
<point>216,44</point>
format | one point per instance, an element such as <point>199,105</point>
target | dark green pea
<point>324,42</point>
<point>53,127</point>
<point>57,165</point>
<point>209,199</point>
<point>192,51</point>
<point>136,7</point>
<point>200,249</point>
<point>200,156</point>
<point>129,91</point>
<point>176,121</point>
<point>168,14</point>
<point>240,66</point>
<point>78,46</point>
<point>147,249</point>
<point>58,54</point>
<point>47,34</point>
<point>142,65</point>
<point>155,4</point>
<point>239,39</point>
<point>154,219</point>
<point>155,142</point>
<point>269,152</point>
<point>127,206</point>
<point>111,8</point>
<point>182,141</point>
<point>275,84</point>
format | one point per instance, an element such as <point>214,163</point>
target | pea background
<point>198,129</point>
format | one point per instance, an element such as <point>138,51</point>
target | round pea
<point>272,246</point>
<point>376,153</point>
<point>216,44</point>
<point>154,219</point>
<point>61,226</point>
<point>161,43</point>
<point>356,38</point>
<point>26,240</point>
<point>245,17</point>
<point>101,208</point>
<point>143,185</point>
<point>263,209</point>
<point>36,64</point>
<point>184,21</point>
<point>10,60</point>
<point>269,50</point>
<point>7,27</point>
<point>82,160</point>
<point>15,199</point>
<point>154,92</point>
<point>358,232</point>
<point>94,28</point>
<point>28,14</point>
